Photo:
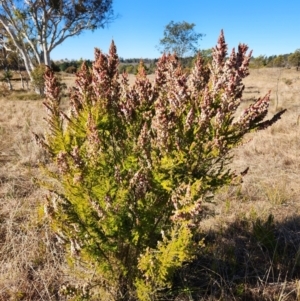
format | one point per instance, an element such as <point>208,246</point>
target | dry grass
<point>29,259</point>
<point>252,232</point>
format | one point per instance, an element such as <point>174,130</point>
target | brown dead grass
<point>237,262</point>
<point>29,259</point>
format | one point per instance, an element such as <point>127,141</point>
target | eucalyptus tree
<point>180,38</point>
<point>36,27</point>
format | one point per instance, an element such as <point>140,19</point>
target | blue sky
<point>268,27</point>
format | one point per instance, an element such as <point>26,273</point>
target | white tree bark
<point>36,27</point>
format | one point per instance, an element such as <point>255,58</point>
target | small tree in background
<point>279,61</point>
<point>294,59</point>
<point>258,62</point>
<point>71,69</point>
<point>38,79</point>
<point>7,76</point>
<point>131,165</point>
<point>206,54</point>
<point>180,38</point>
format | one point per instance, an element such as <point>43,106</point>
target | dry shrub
<point>4,90</point>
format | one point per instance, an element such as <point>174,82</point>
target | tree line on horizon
<point>25,55</point>
<point>130,65</point>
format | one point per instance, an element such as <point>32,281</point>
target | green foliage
<point>157,265</point>
<point>71,69</point>
<point>279,61</point>
<point>264,233</point>
<point>54,67</point>
<point>7,75</point>
<point>180,38</point>
<point>258,62</point>
<point>131,165</point>
<point>294,58</point>
<point>207,55</point>
<point>130,69</point>
<point>63,66</point>
<point>270,61</point>
<point>133,69</point>
<point>38,80</point>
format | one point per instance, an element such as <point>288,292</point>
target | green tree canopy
<point>280,61</point>
<point>294,58</point>
<point>37,27</point>
<point>180,38</point>
<point>258,62</point>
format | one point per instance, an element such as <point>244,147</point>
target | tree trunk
<point>46,56</point>
<point>9,84</point>
<point>21,79</point>
<point>28,63</point>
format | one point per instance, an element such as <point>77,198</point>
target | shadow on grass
<point>250,260</point>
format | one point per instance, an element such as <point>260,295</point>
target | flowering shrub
<point>131,165</point>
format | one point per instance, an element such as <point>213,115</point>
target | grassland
<point>251,232</point>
